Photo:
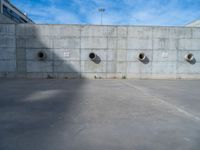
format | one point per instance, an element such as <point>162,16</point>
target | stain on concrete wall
<point>67,49</point>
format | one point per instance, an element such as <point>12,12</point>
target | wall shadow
<point>97,60</point>
<point>193,61</point>
<point>146,60</point>
<point>39,114</point>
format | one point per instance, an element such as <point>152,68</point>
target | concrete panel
<point>122,31</point>
<point>66,31</point>
<point>122,43</point>
<point>121,55</point>
<point>7,41</point>
<point>196,33</point>
<point>7,29</point>
<point>112,55</point>
<point>94,31</point>
<point>140,32</point>
<point>7,74</point>
<point>187,68</point>
<point>39,43</point>
<point>93,42</point>
<point>66,54</point>
<point>39,66</point>
<point>20,42</point>
<point>7,54</point>
<point>135,43</point>
<point>21,54</point>
<point>111,67</point>
<point>139,68</point>
<point>132,55</point>
<point>35,42</point>
<point>66,75</point>
<point>35,31</point>
<point>31,30</point>
<point>95,75</point>
<point>7,65</point>
<point>116,76</point>
<point>71,43</point>
<point>172,32</point>
<point>112,31</point>
<point>139,76</point>
<point>5,20</point>
<point>121,67</point>
<point>40,75</point>
<point>165,44</point>
<point>32,54</point>
<point>91,67</point>
<point>67,66</point>
<point>21,66</point>
<point>181,55</point>
<point>21,61</point>
<point>165,56</point>
<point>102,54</point>
<point>112,43</point>
<point>109,55</point>
<point>163,76</point>
<point>42,30</point>
<point>189,44</point>
<point>164,68</point>
<point>25,29</point>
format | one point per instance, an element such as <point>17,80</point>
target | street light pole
<point>102,10</point>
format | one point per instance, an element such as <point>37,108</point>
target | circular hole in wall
<point>189,57</point>
<point>141,56</point>
<point>92,56</point>
<point>41,55</point>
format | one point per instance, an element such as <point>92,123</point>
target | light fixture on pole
<point>102,10</point>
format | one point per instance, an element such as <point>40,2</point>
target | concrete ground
<point>99,115</point>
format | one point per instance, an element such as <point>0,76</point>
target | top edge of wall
<point>150,26</point>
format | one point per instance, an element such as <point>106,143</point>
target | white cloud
<point>53,15</point>
<point>138,12</point>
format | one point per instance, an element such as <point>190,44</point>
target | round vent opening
<point>189,57</point>
<point>141,56</point>
<point>92,56</point>
<point>41,55</point>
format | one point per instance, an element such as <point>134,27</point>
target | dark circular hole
<point>189,56</point>
<point>41,55</point>
<point>92,55</point>
<point>141,56</point>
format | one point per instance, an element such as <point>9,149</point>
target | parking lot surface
<point>99,114</point>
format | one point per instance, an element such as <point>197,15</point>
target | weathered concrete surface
<point>4,19</point>
<point>99,114</point>
<point>7,50</point>
<point>195,23</point>
<point>68,46</point>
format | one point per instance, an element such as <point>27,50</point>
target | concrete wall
<point>4,19</point>
<point>68,46</point>
<point>7,50</point>
<point>195,23</point>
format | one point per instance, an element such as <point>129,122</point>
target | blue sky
<point>123,12</point>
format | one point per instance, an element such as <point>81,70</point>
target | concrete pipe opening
<point>189,57</point>
<point>141,56</point>
<point>41,55</point>
<point>92,56</point>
